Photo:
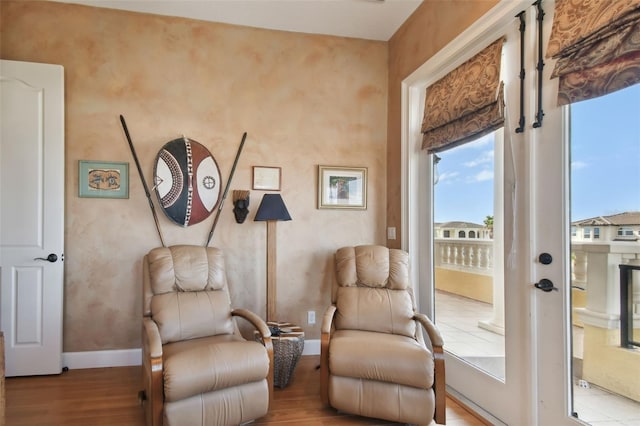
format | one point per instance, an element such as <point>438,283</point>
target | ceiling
<point>367,19</point>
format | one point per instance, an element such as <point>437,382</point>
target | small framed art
<point>100,179</point>
<point>267,178</point>
<point>342,187</point>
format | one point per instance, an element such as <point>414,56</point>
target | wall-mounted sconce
<point>240,205</point>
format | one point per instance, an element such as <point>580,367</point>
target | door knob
<point>545,285</point>
<point>51,258</point>
<point>545,258</point>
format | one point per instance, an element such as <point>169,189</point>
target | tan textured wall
<point>434,24</point>
<point>303,99</point>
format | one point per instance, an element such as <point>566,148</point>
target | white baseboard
<point>100,359</point>
<point>126,357</point>
<point>311,347</point>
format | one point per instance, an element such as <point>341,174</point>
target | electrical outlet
<point>311,317</point>
<point>391,233</point>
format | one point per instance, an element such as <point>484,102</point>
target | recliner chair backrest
<point>185,292</point>
<point>373,290</point>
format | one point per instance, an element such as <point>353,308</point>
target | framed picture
<point>99,179</point>
<point>266,178</point>
<point>342,187</point>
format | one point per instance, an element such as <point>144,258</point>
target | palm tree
<point>488,222</point>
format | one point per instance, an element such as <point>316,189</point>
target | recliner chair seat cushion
<point>382,400</point>
<point>382,357</point>
<point>231,406</point>
<point>202,365</point>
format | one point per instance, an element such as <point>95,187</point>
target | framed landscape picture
<point>342,187</point>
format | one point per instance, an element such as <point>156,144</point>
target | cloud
<point>484,158</point>
<point>482,176</point>
<point>577,165</point>
<point>447,176</point>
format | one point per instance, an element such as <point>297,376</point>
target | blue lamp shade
<point>272,208</point>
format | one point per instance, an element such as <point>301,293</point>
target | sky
<point>605,164</point>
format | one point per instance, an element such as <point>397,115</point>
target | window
<point>586,233</point>
<point>461,234</point>
<point>574,231</point>
<point>472,234</point>
<point>447,233</point>
<point>625,232</point>
<point>596,233</point>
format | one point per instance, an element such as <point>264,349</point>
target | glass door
<point>467,233</point>
<point>584,197</point>
<point>493,223</point>
<point>605,234</point>
<point>468,253</point>
<point>589,223</point>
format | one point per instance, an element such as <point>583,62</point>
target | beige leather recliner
<point>374,361</point>
<point>197,368</point>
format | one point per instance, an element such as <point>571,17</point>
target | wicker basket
<point>287,350</point>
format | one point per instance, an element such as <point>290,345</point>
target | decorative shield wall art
<point>187,181</point>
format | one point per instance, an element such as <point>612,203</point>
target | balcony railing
<point>475,256</point>
<point>596,273</point>
<point>595,269</point>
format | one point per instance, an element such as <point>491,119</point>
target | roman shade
<point>466,103</point>
<point>597,47</point>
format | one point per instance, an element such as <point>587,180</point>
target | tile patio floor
<point>457,318</point>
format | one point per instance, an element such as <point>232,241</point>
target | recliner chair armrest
<point>431,329</point>
<point>438,361</point>
<point>325,338</point>
<point>152,371</point>
<point>151,338</point>
<point>265,334</point>
<point>254,319</point>
<point>327,319</point>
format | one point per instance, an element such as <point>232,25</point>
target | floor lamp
<point>272,209</point>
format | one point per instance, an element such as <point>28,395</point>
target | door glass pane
<point>605,224</point>
<point>469,290</point>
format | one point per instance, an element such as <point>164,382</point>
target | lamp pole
<point>271,209</point>
<point>271,270</point>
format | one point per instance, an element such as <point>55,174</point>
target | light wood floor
<point>109,396</point>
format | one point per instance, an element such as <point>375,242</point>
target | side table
<point>287,350</point>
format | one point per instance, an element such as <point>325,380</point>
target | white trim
<point>417,215</point>
<point>127,357</point>
<point>479,411</point>
<point>101,359</point>
<point>311,347</point>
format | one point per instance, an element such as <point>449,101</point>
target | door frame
<point>533,371</point>
<point>543,392</point>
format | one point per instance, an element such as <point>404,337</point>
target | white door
<point>540,386</point>
<point>549,187</point>
<point>503,386</point>
<point>31,216</point>
<point>584,161</point>
<point>487,356</point>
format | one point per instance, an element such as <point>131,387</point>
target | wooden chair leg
<point>439,387</point>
